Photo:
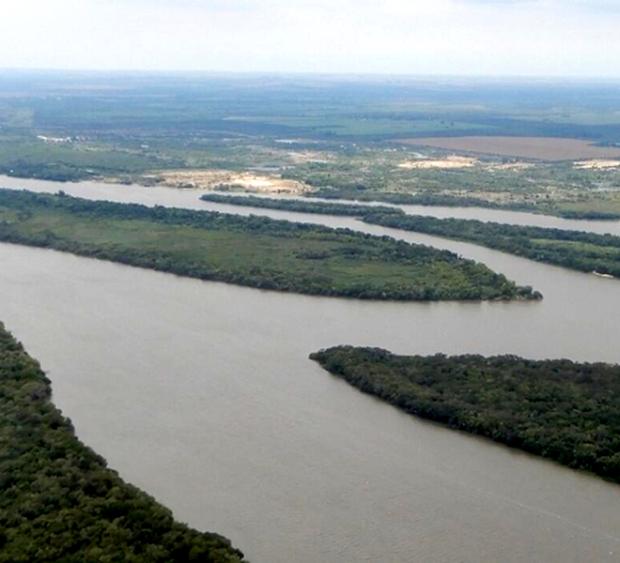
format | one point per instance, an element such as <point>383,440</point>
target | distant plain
<point>538,148</point>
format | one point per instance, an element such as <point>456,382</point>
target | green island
<point>58,499</point>
<point>252,251</point>
<point>565,411</point>
<point>299,205</point>
<point>586,252</point>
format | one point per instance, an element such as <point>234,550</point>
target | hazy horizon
<point>207,73</point>
<point>568,39</point>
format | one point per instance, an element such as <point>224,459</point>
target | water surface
<point>202,394</point>
<point>190,198</point>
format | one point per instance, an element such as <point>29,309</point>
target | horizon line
<point>311,73</point>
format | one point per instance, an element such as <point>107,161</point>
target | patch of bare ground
<point>452,161</point>
<point>536,148</point>
<point>511,166</point>
<point>302,157</point>
<point>222,179</point>
<point>596,164</point>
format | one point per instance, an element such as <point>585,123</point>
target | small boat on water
<point>609,276</point>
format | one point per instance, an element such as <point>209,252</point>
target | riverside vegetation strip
<point>577,250</point>
<point>586,252</point>
<point>58,499</point>
<point>251,251</point>
<point>566,411</point>
<point>300,205</point>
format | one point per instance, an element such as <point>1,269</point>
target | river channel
<point>201,393</point>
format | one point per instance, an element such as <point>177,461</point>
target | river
<point>189,198</point>
<point>202,394</point>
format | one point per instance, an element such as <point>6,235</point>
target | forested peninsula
<point>578,250</point>
<point>565,411</point>
<point>252,251</point>
<point>58,499</point>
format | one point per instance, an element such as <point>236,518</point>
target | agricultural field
<point>552,148</point>
<point>536,148</point>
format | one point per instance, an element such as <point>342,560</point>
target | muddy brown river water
<point>202,394</point>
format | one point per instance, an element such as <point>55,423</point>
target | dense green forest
<point>565,411</point>
<point>577,250</point>
<point>59,501</point>
<point>252,251</point>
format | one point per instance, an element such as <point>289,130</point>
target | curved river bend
<point>202,394</point>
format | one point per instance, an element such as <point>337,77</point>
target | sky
<point>544,38</point>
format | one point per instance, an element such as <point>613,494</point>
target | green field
<point>252,251</point>
<point>75,160</point>
<point>340,136</point>
<point>603,206</point>
<point>58,499</point>
<point>558,409</point>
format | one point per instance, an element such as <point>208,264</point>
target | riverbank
<point>565,411</point>
<point>253,251</point>
<point>60,501</point>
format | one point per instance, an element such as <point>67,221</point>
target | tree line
<point>58,499</point>
<point>559,409</point>
<point>578,250</point>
